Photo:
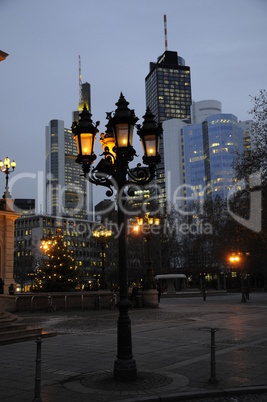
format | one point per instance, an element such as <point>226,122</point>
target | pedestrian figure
<point>113,302</point>
<point>204,293</point>
<point>51,306</point>
<point>1,286</point>
<point>11,289</point>
<point>247,293</point>
<point>243,294</point>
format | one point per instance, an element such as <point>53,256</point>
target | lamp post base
<point>151,298</point>
<point>125,370</point>
<point>124,365</point>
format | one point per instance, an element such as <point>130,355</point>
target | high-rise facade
<point>68,193</point>
<point>66,189</point>
<point>205,108</point>
<point>25,206</point>
<point>168,95</point>
<point>222,137</point>
<point>175,162</point>
<point>247,134</point>
<point>200,156</point>
<point>194,157</point>
<point>85,100</point>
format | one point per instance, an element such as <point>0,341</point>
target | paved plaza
<point>171,346</point>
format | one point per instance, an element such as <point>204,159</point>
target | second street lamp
<point>146,224</point>
<point>235,259</point>
<point>101,236</point>
<point>113,171</point>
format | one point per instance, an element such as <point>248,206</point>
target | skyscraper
<point>67,192</point>
<point>66,189</point>
<point>247,134</point>
<point>168,95</point>
<point>222,137</point>
<point>85,100</point>
<point>200,155</point>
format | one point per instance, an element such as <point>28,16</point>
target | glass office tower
<point>168,95</point>
<point>222,137</point>
<point>67,191</point>
<point>199,158</point>
<point>194,163</point>
<point>85,100</point>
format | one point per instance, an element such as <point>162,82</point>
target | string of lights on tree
<point>58,270</point>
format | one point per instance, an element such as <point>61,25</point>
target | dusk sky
<point>223,42</point>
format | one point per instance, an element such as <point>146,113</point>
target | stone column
<point>7,220</point>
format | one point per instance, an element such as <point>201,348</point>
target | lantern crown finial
<point>123,112</point>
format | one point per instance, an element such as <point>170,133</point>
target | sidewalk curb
<point>184,396</point>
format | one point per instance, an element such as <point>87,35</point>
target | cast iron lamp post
<point>113,171</point>
<point>146,224</point>
<point>5,168</point>
<point>101,236</point>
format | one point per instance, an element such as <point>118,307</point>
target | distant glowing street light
<point>5,168</point>
<point>234,259</point>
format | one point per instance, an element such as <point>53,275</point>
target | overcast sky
<point>224,43</point>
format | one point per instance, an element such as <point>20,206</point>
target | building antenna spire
<point>165,32</point>
<point>80,81</point>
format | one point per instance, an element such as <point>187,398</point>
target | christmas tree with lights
<point>58,271</point>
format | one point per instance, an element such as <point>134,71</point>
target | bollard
<point>97,303</point>
<point>65,302</point>
<point>213,379</point>
<point>37,391</point>
<point>16,303</point>
<point>32,305</point>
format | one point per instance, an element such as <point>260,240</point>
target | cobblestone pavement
<point>171,346</point>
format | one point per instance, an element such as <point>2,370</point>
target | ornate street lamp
<point>107,139</point>
<point>150,139</point>
<point>85,133</point>
<point>101,236</point>
<point>5,168</point>
<point>113,171</point>
<point>146,225</point>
